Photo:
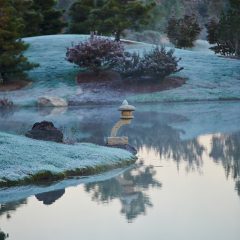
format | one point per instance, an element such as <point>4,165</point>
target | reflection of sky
<point>193,200</point>
<point>189,205</point>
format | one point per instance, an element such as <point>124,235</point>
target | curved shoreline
<point>14,85</point>
<point>28,161</point>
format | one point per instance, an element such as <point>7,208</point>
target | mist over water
<point>187,173</point>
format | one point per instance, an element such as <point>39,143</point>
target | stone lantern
<point>126,110</point>
<point>125,118</point>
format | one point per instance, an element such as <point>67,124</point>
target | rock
<point>45,131</point>
<point>49,101</point>
<point>127,147</point>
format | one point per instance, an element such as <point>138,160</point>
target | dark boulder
<point>45,131</point>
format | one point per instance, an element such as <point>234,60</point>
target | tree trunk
<point>237,47</point>
<point>1,78</point>
<point>117,36</point>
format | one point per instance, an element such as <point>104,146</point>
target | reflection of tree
<point>11,206</point>
<point>153,131</point>
<point>129,188</point>
<point>3,235</point>
<point>49,198</point>
<point>226,150</point>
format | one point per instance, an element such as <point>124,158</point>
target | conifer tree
<point>225,33</point>
<point>40,17</point>
<point>109,16</point>
<point>12,61</point>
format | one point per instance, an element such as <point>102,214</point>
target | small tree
<point>184,31</point>
<point>225,33</point>
<point>96,54</point>
<point>12,61</point>
<point>108,17</point>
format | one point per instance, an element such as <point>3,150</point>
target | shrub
<point>156,64</point>
<point>5,103</point>
<point>96,54</point>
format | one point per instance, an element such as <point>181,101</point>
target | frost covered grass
<point>25,161</point>
<point>209,77</point>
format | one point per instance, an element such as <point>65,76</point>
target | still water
<point>185,185</point>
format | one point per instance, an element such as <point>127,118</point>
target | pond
<point>185,184</point>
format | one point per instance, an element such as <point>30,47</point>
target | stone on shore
<point>45,131</point>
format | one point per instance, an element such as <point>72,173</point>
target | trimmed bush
<point>96,54</point>
<point>99,54</point>
<point>156,64</point>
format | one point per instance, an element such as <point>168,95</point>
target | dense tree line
<point>225,32</point>
<point>108,17</point>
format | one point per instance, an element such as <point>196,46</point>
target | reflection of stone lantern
<point>126,117</point>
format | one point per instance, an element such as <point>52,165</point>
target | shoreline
<point>14,85</point>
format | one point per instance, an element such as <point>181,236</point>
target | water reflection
<point>8,208</point>
<point>48,198</point>
<point>3,235</point>
<point>130,188</point>
<point>226,150</point>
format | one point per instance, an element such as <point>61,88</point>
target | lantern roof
<point>126,107</point>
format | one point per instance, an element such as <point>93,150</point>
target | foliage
<point>155,64</point>
<point>12,61</point>
<point>108,17</point>
<point>184,31</point>
<point>225,33</point>
<point>45,19</point>
<point>96,54</point>
<point>99,53</point>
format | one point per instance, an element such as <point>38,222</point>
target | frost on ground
<point>21,157</point>
<point>209,77</point>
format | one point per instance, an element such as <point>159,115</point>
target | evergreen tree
<point>52,22</point>
<point>109,16</point>
<point>40,17</point>
<point>80,13</point>
<point>225,33</point>
<point>12,61</point>
<point>184,31</point>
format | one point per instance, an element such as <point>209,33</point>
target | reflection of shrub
<point>158,63</point>
<point>96,54</point>
<point>4,102</point>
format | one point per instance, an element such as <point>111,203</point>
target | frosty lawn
<point>24,160</point>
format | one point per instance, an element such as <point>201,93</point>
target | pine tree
<point>40,17</point>
<point>108,17</point>
<point>52,22</point>
<point>12,61</point>
<point>184,31</point>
